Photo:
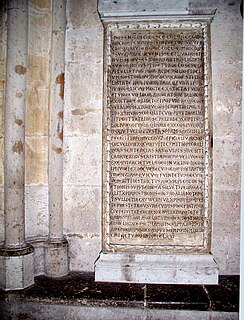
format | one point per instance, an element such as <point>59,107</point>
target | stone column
<point>16,257</point>
<point>56,250</point>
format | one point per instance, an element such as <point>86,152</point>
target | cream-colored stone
<point>227,83</point>
<point>36,211</point>
<point>56,249</point>
<point>84,46</point>
<point>160,268</point>
<point>41,4</point>
<point>39,48</point>
<point>83,251</point>
<point>16,272</point>
<point>39,37</point>
<point>36,160</point>
<point>37,114</point>
<point>82,161</point>
<point>233,256</point>
<point>226,251</point>
<point>17,51</point>
<point>227,151</point>
<point>82,215</point>
<point>227,91</point>
<point>226,176</point>
<point>227,42</point>
<point>56,258</point>
<point>38,256</point>
<point>38,71</point>
<point>226,213</point>
<point>82,13</point>
<point>220,252</point>
<point>227,123</point>
<point>87,121</point>
<point>83,86</point>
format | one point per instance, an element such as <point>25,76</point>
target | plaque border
<point>204,26</point>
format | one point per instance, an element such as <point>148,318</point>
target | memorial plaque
<point>157,135</point>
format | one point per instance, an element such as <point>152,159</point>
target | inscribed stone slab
<point>157,134</point>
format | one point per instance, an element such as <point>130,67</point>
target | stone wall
<point>82,134</point>
<point>227,89</point>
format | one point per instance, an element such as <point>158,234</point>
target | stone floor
<point>78,296</point>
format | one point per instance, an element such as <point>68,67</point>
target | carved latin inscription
<point>156,157</point>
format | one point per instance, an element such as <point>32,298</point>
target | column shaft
<point>56,253</point>
<point>14,157</point>
<point>56,121</point>
<point>16,257</point>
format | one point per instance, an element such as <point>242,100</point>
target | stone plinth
<point>56,258</point>
<point>152,268</point>
<point>16,268</point>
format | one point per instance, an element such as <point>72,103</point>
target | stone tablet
<point>157,138</point>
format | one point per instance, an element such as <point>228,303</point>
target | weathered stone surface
<point>3,41</point>
<point>56,249</point>
<point>146,268</point>
<point>14,134</point>
<point>41,4</point>
<point>83,250</point>
<point>84,211</point>
<point>141,8</point>
<point>81,49</point>
<point>82,14</point>
<point>83,84</point>
<point>82,161</point>
<point>82,133</point>
<point>37,224</point>
<point>36,160</point>
<point>16,272</point>
<point>39,37</point>
<point>228,176</point>
<point>226,213</point>
<point>226,250</point>
<point>56,258</point>
<point>85,121</point>
<point>37,128</point>
<point>226,47</point>
<point>3,55</point>
<point>39,257</point>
